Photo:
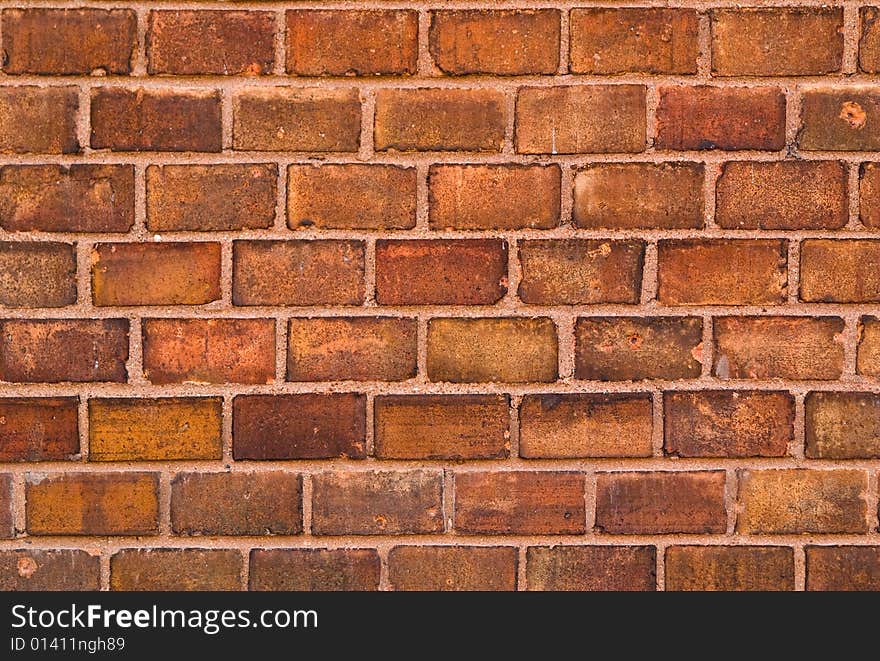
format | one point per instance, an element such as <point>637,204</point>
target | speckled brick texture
<point>418,295</point>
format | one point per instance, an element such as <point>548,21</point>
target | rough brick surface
<point>25,570</point>
<point>314,569</point>
<point>37,275</point>
<point>839,568</point>
<point>740,568</point>
<point>452,568</point>
<point>842,425</point>
<point>175,569</point>
<point>38,429</point>
<point>593,568</point>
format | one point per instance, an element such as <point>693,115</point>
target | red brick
<point>427,119</point>
<point>482,197</point>
<point>728,423</point>
<point>296,119</point>
<point>869,194</point>
<point>502,42</point>
<point>351,196</point>
<point>581,271</point>
<point>39,120</point>
<point>211,198</point>
<point>842,425</point>
<point>656,503</point>
<point>298,273</point>
<point>797,41</point>
<point>513,349</point>
<point>585,425</point>
<point>841,119</point>
<point>59,198</point>
<point>460,427</point>
<point>869,42</point>
<point>63,350</point>
<point>634,40</point>
<point>305,426</point>
<point>25,570</point>
<point>868,356</point>
<point>592,568</point>
<point>38,429</point>
<point>92,504</point>
<point>840,271</point>
<point>210,42</point>
<point>155,120</point>
<point>794,501</point>
<point>7,522</point>
<point>636,348</point>
<point>69,41</point>
<point>155,273</point>
<point>722,272</point>
<point>456,568</point>
<point>172,570</point>
<point>784,195</point>
<point>377,503</point>
<point>580,119</point>
<point>838,568</point>
<point>37,275</point>
<point>639,196</point>
<point>236,504</point>
<point>351,349</point>
<point>209,350</point>
<point>441,272</point>
<point>778,347</point>
<point>729,568</point>
<point>342,43</point>
<point>703,117</point>
<point>314,569</point>
<point>162,429</point>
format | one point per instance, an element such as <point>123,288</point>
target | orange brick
<point>868,357</point>
<point>440,568</point>
<point>840,271</point>
<point>39,120</point>
<point>869,194</point>
<point>173,570</point>
<point>25,570</point>
<point>592,568</point>
<point>314,569</point>
<point>729,568</point>
<point>37,275</point>
<point>851,568</point>
<point>840,119</point>
<point>38,429</point>
<point>842,425</point>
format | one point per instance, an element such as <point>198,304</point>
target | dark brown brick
<point>838,568</point>
<point>729,568</point>
<point>438,568</point>
<point>38,120</point>
<point>190,570</point>
<point>25,570</point>
<point>37,275</point>
<point>38,429</point>
<point>869,43</point>
<point>842,425</point>
<point>7,517</point>
<point>840,119</point>
<point>314,569</point>
<point>591,568</point>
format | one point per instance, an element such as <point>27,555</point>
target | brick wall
<point>389,295</point>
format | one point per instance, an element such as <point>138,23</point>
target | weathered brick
<point>502,42</point>
<point>160,429</point>
<point>481,197</point>
<point>704,117</point>
<point>580,119</point>
<point>840,271</point>
<point>298,273</point>
<point>211,198</point>
<point>869,42</point>
<point>728,423</point>
<point>296,119</point>
<point>37,275</point>
<point>92,504</point>
<point>38,120</point>
<point>635,348</point>
<point>841,119</point>
<point>441,272</point>
<point>868,356</point>
<point>513,349</point>
<point>778,41</point>
<point>654,40</point>
<point>155,273</point>
<point>793,501</point>
<point>591,568</point>
<point>377,503</point>
<point>351,196</point>
<point>24,570</point>
<point>783,195</point>
<point>442,426</point>
<point>155,120</point>
<point>722,272</point>
<point>68,41</point>
<point>38,429</point>
<point>778,347</point>
<point>7,519</point>
<point>172,570</point>
<point>639,196</point>
<point>305,426</point>
<point>63,350</point>
<point>729,568</point>
<point>585,425</point>
<point>314,569</point>
<point>427,119</point>
<point>209,350</point>
<point>658,503</point>
<point>210,42</point>
<point>236,504</point>
<point>838,568</point>
<point>842,425</point>
<point>869,194</point>
<point>352,349</point>
<point>342,43</point>
<point>438,568</point>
